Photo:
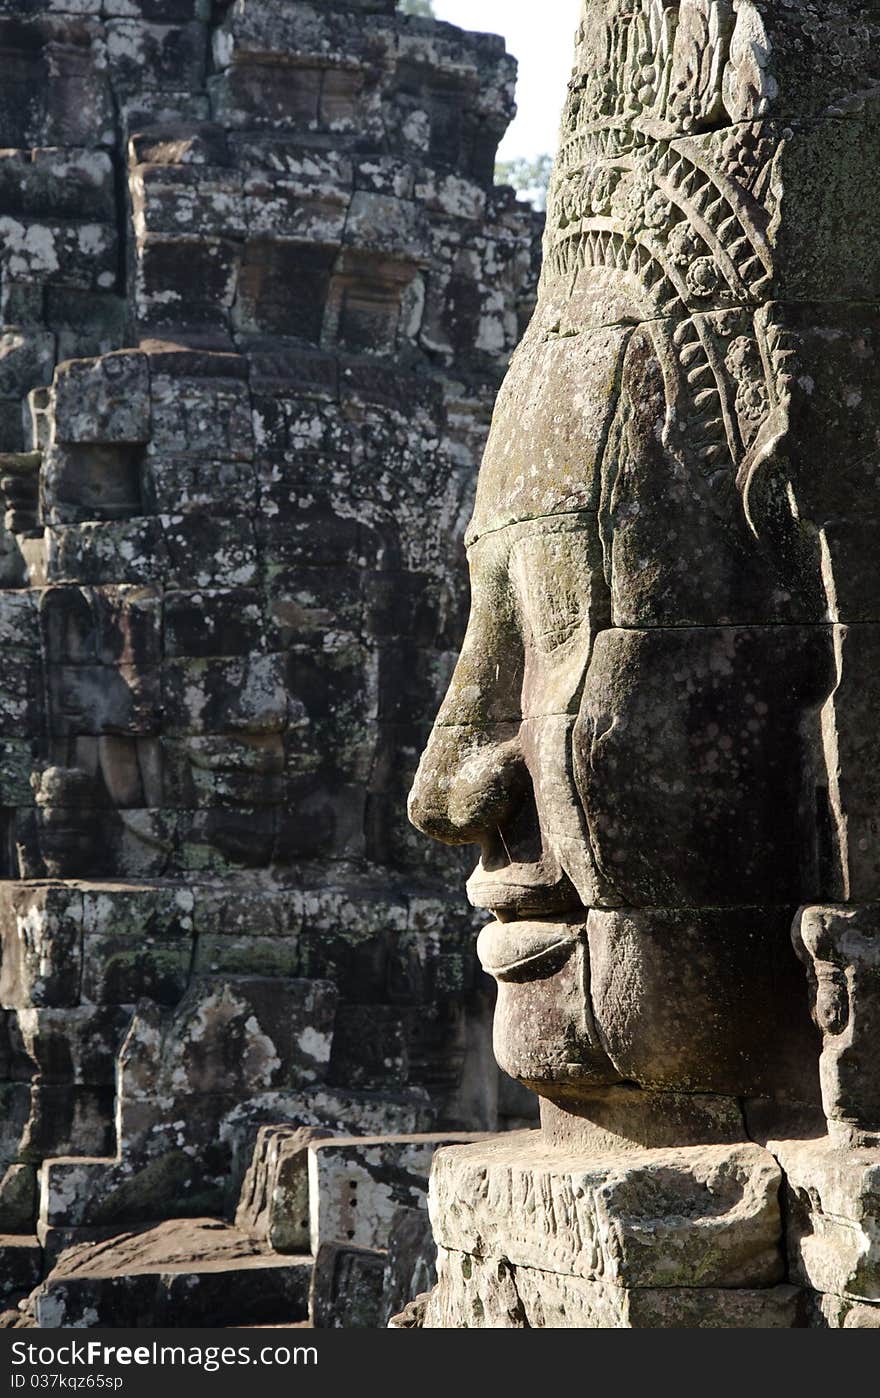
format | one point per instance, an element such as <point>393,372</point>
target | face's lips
<point>524,892</point>
<point>522,951</point>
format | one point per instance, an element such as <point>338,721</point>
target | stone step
<point>189,1272</point>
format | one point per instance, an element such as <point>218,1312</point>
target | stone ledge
<point>699,1216</point>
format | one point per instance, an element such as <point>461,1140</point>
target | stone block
<point>81,255</point>
<point>748,1029</point>
<point>177,550</point>
<point>268,267</point>
<point>492,1294</point>
<point>87,322</point>
<point>222,910</point>
<point>118,551</point>
<point>387,223</point>
<point>242,956</point>
<point>71,1046</point>
<point>833,1211</point>
<point>220,695</point>
<point>235,770</point>
<point>75,184</point>
<point>342,1113</point>
<point>705,818</point>
<point>27,358</point>
<point>108,626</point>
<point>42,945</point>
<point>179,143</point>
<point>19,629</point>
<point>186,281</point>
<point>68,1119</point>
<point>16,767</point>
<point>104,400</point>
<point>18,1199</point>
<point>86,482</point>
<point>119,969</point>
<point>21,1265</point>
<point>369,1040</point>
<point>20,703</point>
<point>274,1201</point>
<point>356,1186</point>
<point>206,552</point>
<point>217,842</point>
<point>239,1035</point>
<point>308,201</point>
<point>121,700</point>
<point>141,1188</point>
<point>347,1288</point>
<point>15,1100</point>
<point>836,1313</point>
<point>411,1261</point>
<point>137,943</point>
<point>628,1221</point>
<point>176,483</point>
<point>182,197</point>
<point>146,55</point>
<point>206,417</point>
<point>221,621</point>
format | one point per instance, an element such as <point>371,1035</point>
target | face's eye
<point>553,574</point>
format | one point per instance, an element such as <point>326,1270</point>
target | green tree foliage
<point>530,178</point>
<point>417,7</point>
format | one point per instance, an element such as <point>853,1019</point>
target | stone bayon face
<point>638,790</point>
<point>658,731</point>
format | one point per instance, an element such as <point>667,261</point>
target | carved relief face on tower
<point>640,733</point>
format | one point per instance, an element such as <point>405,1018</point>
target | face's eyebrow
<point>568,521</point>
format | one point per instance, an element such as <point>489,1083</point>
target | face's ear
<point>767,486</point>
<point>763,473</point>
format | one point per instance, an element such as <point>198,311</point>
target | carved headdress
<point>665,188</point>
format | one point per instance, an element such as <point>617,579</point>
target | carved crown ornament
<point>666,189</point>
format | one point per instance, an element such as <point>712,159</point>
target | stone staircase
<point>331,1231</point>
<point>192,1272</point>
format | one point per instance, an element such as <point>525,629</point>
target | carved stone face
<point>642,733</point>
<point>640,792</point>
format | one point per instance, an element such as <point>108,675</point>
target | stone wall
<point>257,292</point>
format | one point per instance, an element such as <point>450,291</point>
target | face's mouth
<point>524,951</point>
<point>538,891</point>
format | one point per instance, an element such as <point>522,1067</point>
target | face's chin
<point>670,1000</point>
<point>543,1032</point>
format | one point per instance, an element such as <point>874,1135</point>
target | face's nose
<point>469,785</point>
<point>475,785</point>
<point>472,776</point>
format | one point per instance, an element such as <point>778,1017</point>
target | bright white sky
<point>541,36</point>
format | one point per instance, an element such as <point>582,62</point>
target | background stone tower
<point>258,292</point>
